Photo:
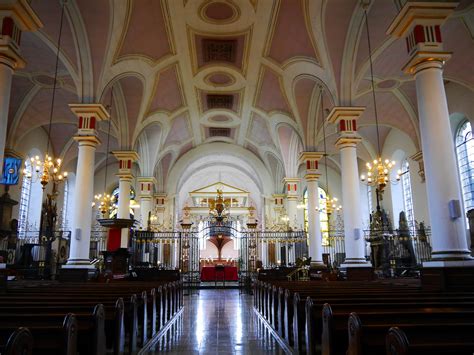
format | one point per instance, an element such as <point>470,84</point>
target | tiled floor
<point>218,322</point>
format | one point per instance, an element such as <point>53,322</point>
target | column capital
<point>160,199</point>
<point>146,185</point>
<point>87,140</point>
<point>15,16</point>
<point>88,115</point>
<point>419,23</point>
<point>278,199</point>
<point>345,117</point>
<point>126,159</point>
<point>311,161</point>
<point>291,187</point>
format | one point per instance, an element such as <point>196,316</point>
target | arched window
<point>407,194</point>
<point>465,155</point>
<point>24,201</point>
<point>369,199</point>
<point>30,201</point>
<point>323,215</point>
<point>65,221</point>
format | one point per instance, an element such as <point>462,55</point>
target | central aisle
<point>218,322</point>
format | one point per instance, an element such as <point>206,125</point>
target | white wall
<point>398,146</point>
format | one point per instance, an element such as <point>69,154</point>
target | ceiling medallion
<point>219,79</point>
<point>220,119</point>
<point>219,12</point>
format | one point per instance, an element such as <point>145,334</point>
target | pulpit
<point>117,262</point>
<point>116,259</point>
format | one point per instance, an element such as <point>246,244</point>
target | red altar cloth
<point>208,273</point>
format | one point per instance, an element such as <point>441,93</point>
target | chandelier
<point>218,208</point>
<point>49,169</point>
<point>378,172</point>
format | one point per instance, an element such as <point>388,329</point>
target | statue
<point>376,238</point>
<point>405,240</point>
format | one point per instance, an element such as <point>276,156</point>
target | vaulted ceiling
<point>246,72</point>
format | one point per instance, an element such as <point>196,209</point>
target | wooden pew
<point>152,309</point>
<point>18,342</point>
<point>435,342</point>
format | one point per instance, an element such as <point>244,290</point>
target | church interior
<point>236,176</point>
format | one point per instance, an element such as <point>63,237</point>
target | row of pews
<point>356,318</point>
<point>86,318</point>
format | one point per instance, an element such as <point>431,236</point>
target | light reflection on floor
<point>218,322</point>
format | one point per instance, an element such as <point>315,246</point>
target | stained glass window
<point>465,155</point>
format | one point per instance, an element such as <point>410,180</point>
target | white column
<point>420,24</point>
<point>354,236</point>
<point>292,200</point>
<point>6,73</point>
<point>125,183</point>
<point>88,116</point>
<point>311,161</point>
<point>15,17</point>
<point>146,186</point>
<point>83,192</point>
<point>448,236</point>
<point>145,209</point>
<point>314,224</point>
<point>346,120</point>
<point>126,159</point>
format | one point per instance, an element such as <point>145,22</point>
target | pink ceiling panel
<point>39,57</point>
<point>60,135</point>
<point>146,32</point>
<point>370,134</point>
<point>392,60</point>
<point>167,93</point>
<point>380,16</point>
<point>457,39</point>
<point>259,131</point>
<point>291,38</point>
<point>50,14</point>
<point>132,90</point>
<point>336,30</point>
<point>179,131</point>
<point>303,91</point>
<point>271,96</point>
<point>409,90</point>
<point>165,165</point>
<point>390,112</point>
<point>38,110</point>
<point>285,133</point>
<point>20,87</point>
<point>96,17</point>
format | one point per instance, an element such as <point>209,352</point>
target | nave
<point>218,321</point>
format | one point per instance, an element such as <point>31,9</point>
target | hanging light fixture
<point>331,202</point>
<point>49,169</point>
<point>218,208</point>
<point>378,171</point>
<point>104,200</point>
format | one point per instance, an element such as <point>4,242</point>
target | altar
<point>208,273</point>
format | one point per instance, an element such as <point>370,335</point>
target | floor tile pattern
<point>218,322</point>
